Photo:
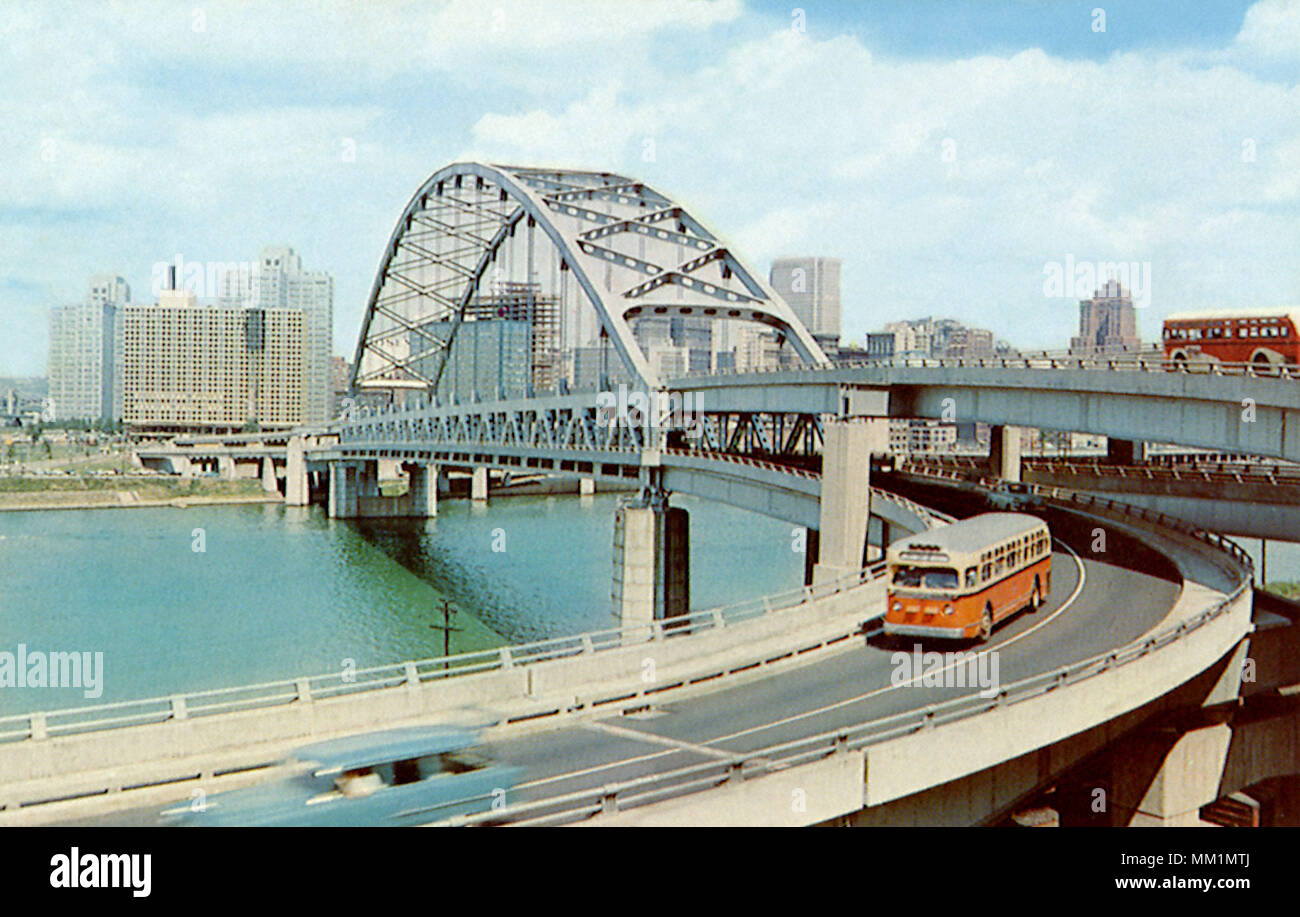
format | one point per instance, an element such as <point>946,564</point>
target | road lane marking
<point>1078,589</point>
<point>653,739</point>
<point>1083,578</point>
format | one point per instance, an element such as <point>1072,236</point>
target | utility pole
<point>446,628</point>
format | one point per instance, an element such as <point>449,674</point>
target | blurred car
<point>400,777</point>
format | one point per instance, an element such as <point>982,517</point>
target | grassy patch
<point>1286,590</point>
<point>52,491</point>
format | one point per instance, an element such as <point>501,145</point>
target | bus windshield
<point>925,577</point>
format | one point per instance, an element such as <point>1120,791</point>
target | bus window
<point>971,577</point>
<point>986,571</point>
<point>926,577</point>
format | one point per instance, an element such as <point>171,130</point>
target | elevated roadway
<point>1152,612</point>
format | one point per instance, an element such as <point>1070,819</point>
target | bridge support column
<point>1164,785</point>
<point>812,550</point>
<point>1125,451</point>
<point>1004,452</point>
<point>845,497</point>
<point>586,486</point>
<point>345,489</point>
<point>181,465</point>
<point>270,483</point>
<point>423,495</point>
<point>226,467</point>
<point>478,484</point>
<point>297,492</point>
<point>652,577</point>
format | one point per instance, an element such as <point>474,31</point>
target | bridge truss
<point>609,250</point>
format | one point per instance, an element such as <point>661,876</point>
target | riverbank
<point>37,494</point>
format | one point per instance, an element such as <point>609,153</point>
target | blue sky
<point>948,152</point>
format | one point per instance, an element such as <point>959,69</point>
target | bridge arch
<point>632,253</point>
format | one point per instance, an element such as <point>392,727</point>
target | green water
<point>281,592</point>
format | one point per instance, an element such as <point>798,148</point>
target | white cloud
<point>961,177</point>
<point>1271,28</point>
<point>944,184</point>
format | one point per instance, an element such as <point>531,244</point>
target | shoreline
<point>529,489</point>
<point>174,503</point>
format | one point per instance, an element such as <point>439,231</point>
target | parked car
<point>400,777</point>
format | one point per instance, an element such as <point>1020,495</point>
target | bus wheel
<point>986,624</point>
<point>1037,598</point>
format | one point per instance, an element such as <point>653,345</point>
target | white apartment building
<point>85,353</point>
<point>278,281</point>
<point>193,367</point>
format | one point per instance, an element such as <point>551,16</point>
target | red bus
<point>1264,337</point>
<point>959,580</point>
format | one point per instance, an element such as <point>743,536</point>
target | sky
<point>951,153</point>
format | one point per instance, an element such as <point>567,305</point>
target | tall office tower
<point>211,368</point>
<point>812,288</point>
<point>507,346</point>
<point>1107,322</point>
<point>278,281</point>
<point>85,353</point>
<point>696,336</point>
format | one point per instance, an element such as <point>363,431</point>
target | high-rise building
<point>85,345</point>
<point>489,359</point>
<point>1107,323</point>
<point>812,288</point>
<point>340,380</point>
<point>970,343</point>
<point>212,368</point>
<point>278,281</point>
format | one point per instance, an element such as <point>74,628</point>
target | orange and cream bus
<point>959,580</point>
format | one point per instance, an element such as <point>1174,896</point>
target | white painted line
<point>653,739</point>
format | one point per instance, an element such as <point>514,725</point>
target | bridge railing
<point>630,794</point>
<point>71,721</point>
<point>1207,472</point>
<point>1047,360</point>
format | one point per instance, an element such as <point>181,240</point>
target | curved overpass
<point>1226,412</point>
<point>1091,627</point>
<point>1119,631</point>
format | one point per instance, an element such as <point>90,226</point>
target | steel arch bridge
<point>606,248</point>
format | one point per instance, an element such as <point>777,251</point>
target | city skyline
<point>201,147</point>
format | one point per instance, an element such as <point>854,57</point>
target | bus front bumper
<point>924,630</point>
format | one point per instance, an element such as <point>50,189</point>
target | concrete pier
<point>297,491</point>
<point>344,493</point>
<point>270,483</point>
<point>478,486</point>
<point>355,492</point>
<point>652,579</point>
<point>845,497</point>
<point>423,495</point>
<point>1004,452</point>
